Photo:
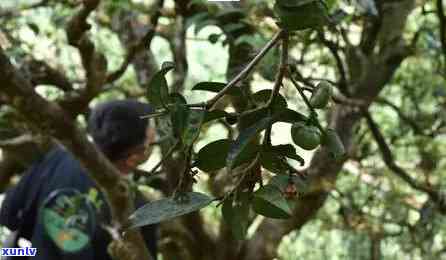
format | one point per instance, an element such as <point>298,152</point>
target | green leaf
<point>230,15</point>
<point>269,65</point>
<point>331,140</point>
<point>158,91</point>
<point>308,15</point>
<point>254,40</point>
<point>262,97</point>
<point>232,27</point>
<point>273,158</point>
<point>293,3</point>
<point>245,137</point>
<point>167,66</point>
<point>289,151</point>
<point>236,215</point>
<point>216,87</point>
<point>212,157</point>
<point>273,162</point>
<point>291,116</point>
<point>194,121</point>
<point>177,98</point>
<point>248,154</point>
<point>250,117</point>
<point>214,114</point>
<point>286,115</point>
<point>196,2</point>
<point>196,19</point>
<point>168,208</point>
<point>269,202</point>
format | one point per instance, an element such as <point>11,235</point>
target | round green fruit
<point>321,95</point>
<point>305,136</point>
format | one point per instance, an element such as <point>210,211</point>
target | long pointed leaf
<point>158,91</point>
<point>168,208</point>
<point>242,141</point>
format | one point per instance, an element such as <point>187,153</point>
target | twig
<point>165,157</point>
<point>16,141</point>
<point>333,47</point>
<point>301,92</point>
<point>187,169</point>
<point>307,102</point>
<point>389,160</point>
<point>277,84</point>
<point>246,70</point>
<point>282,69</point>
<point>153,115</point>
<point>133,50</point>
<point>239,182</point>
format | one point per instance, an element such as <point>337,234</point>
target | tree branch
<point>43,74</point>
<point>145,41</point>
<point>334,49</point>
<point>94,62</point>
<point>442,31</point>
<point>179,51</point>
<point>15,12</point>
<point>389,160</point>
<point>246,70</point>
<point>417,130</point>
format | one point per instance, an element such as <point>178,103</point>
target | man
<point>58,207</point>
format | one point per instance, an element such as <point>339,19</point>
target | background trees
<point>386,60</point>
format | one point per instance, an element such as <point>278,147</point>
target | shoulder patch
<point>68,218</point>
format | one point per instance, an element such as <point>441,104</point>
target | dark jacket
<point>55,171</point>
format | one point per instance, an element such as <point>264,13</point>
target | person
<point>58,207</point>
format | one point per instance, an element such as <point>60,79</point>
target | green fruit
<point>305,136</point>
<point>334,144</point>
<point>321,95</point>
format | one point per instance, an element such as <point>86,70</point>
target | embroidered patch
<point>68,218</point>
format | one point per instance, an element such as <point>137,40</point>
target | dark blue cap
<point>116,126</point>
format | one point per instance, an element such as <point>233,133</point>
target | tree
<point>363,54</point>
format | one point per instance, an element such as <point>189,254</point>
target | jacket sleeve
<point>15,201</point>
<point>150,232</point>
<point>150,235</point>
